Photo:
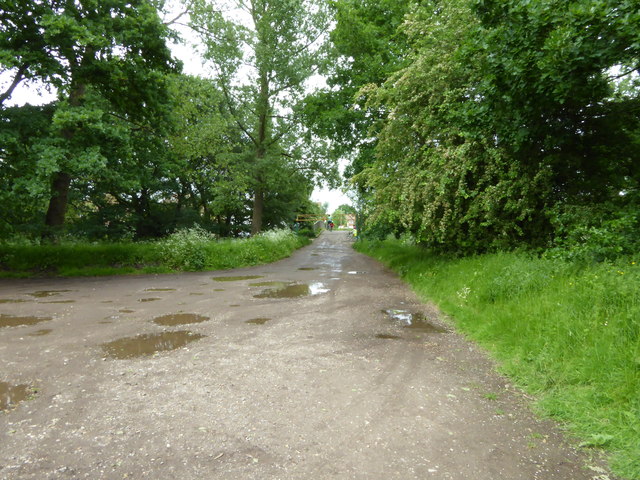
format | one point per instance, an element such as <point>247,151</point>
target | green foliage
<point>189,249</point>
<point>568,334</point>
<point>186,249</point>
<point>501,113</point>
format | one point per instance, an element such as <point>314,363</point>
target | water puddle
<point>386,336</point>
<point>236,278</point>
<point>270,284</point>
<point>353,272</point>
<point>152,299</point>
<point>11,321</point>
<point>294,290</point>
<point>11,395</point>
<point>179,319</point>
<point>257,321</point>
<point>146,345</point>
<point>126,310</point>
<point>414,321</point>
<point>47,293</point>
<point>307,268</point>
<point>41,332</point>
<point>11,300</point>
<point>159,289</point>
<point>61,301</point>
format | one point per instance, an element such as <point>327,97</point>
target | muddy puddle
<point>386,336</point>
<point>47,293</point>
<point>273,283</point>
<point>146,345</point>
<point>257,321</point>
<point>11,321</point>
<point>174,319</point>
<point>159,289</point>
<point>308,269</point>
<point>41,332</point>
<point>11,395</point>
<point>414,321</point>
<point>294,290</point>
<point>236,278</point>
<point>126,310</point>
<point>150,299</point>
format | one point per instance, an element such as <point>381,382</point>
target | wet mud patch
<point>274,283</point>
<point>257,321</point>
<point>174,319</point>
<point>11,395</point>
<point>387,336</point>
<point>218,289</point>
<point>47,293</point>
<point>12,300</point>
<point>126,310</point>
<point>150,299</point>
<point>146,345</point>
<point>11,321</point>
<point>236,278</point>
<point>159,289</point>
<point>307,268</point>
<point>62,301</point>
<point>194,294</point>
<point>294,290</point>
<point>414,321</point>
<point>41,332</point>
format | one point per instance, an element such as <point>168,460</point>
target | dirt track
<point>331,382</point>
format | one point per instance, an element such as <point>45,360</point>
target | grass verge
<point>569,335</point>
<point>185,251</point>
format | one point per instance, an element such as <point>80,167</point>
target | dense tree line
<point>133,148</point>
<point>483,124</point>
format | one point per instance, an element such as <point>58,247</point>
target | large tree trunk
<point>61,181</point>
<point>57,203</point>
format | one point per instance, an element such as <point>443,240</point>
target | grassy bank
<point>569,335</point>
<point>189,250</point>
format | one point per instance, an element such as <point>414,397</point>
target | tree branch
<point>16,80</point>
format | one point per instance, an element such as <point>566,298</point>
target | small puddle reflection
<point>386,336</point>
<point>11,395</point>
<point>147,344</point>
<point>293,290</point>
<point>415,321</point>
<point>258,321</point>
<point>179,319</point>
<point>11,321</point>
<point>236,278</point>
<point>152,299</point>
<point>275,283</point>
<point>47,293</point>
<point>41,332</point>
<point>159,289</point>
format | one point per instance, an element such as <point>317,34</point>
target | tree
<point>262,64</point>
<point>115,48</point>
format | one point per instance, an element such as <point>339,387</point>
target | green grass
<point>570,335</point>
<point>187,251</point>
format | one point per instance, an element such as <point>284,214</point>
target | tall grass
<point>188,250</point>
<point>568,334</point>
